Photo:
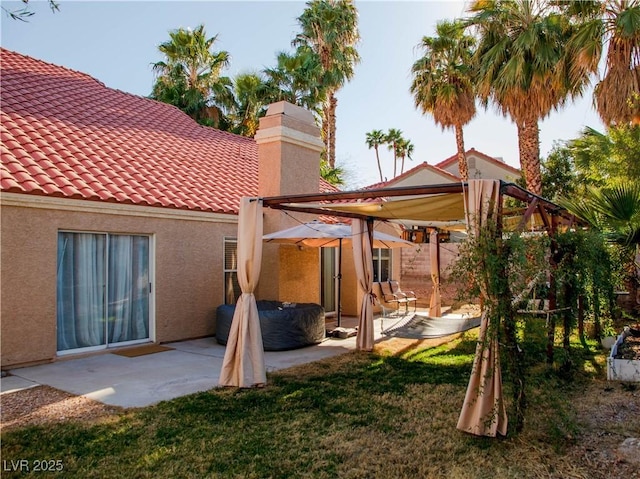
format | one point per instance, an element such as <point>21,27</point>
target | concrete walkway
<point>191,366</point>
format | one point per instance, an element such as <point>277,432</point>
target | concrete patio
<point>189,367</point>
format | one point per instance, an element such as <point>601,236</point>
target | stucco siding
<point>423,177</point>
<point>187,274</point>
<point>484,169</point>
<point>487,170</point>
<point>299,275</point>
<point>28,287</point>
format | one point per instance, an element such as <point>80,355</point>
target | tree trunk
<point>325,129</point>
<point>631,280</point>
<point>331,153</point>
<point>529,148</point>
<point>395,161</point>
<point>463,168</point>
<point>379,167</point>
<point>566,338</point>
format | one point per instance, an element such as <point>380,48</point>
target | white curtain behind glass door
<point>80,290</point>
<point>103,296</point>
<point>128,288</point>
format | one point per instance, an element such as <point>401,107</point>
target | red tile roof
<point>63,133</point>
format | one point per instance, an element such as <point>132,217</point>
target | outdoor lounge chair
<point>391,293</point>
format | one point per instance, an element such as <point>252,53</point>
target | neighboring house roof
<point>422,167</point>
<point>65,134</point>
<point>454,159</point>
<point>438,170</point>
<point>326,187</point>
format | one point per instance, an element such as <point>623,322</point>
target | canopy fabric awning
<point>243,364</point>
<point>443,211</point>
<point>441,207</point>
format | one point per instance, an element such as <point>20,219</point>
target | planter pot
<point>622,369</point>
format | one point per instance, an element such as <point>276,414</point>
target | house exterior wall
<point>416,271</point>
<point>350,295</point>
<point>299,275</point>
<point>186,258</point>
<point>484,169</point>
<point>421,177</point>
<point>487,170</point>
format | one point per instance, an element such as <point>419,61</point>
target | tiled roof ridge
<point>56,66</point>
<point>102,84</point>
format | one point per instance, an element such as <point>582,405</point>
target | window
<point>381,264</point>
<point>232,289</point>
<point>103,290</point>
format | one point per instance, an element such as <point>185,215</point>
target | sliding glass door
<point>103,290</point>
<point>328,278</point>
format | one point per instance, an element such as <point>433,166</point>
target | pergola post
<point>553,266</point>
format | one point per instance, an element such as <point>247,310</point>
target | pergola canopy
<point>472,204</point>
<point>441,206</point>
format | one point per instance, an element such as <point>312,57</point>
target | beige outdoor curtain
<point>435,305</point>
<point>243,363</point>
<point>363,258</point>
<point>483,412</point>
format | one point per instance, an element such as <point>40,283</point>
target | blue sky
<point>116,42</point>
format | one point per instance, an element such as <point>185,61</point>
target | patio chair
<point>392,293</point>
<point>387,307</point>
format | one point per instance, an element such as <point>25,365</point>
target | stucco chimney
<point>289,147</point>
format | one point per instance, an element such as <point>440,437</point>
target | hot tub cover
<point>283,325</point>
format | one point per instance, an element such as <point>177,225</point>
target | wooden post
<point>515,354</point>
<point>551,326</point>
<point>581,317</point>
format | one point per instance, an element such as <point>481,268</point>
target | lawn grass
<point>360,415</point>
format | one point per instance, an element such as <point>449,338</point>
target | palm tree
<point>615,210</point>
<point>404,149</point>
<point>392,138</point>
<point>616,23</point>
<point>245,103</point>
<point>295,79</point>
<point>330,30</point>
<point>375,138</point>
<point>604,159</point>
<point>443,82</point>
<point>334,175</point>
<point>190,73</point>
<point>523,69</point>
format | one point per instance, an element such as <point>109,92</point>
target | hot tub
<point>284,325</point>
